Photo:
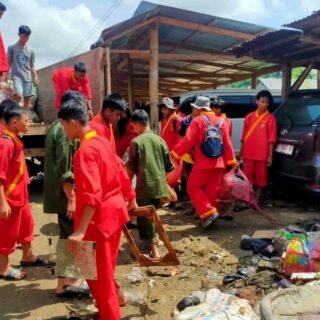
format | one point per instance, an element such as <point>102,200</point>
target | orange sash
<point>167,124</point>
<point>260,118</point>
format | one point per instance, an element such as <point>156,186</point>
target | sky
<point>60,26</point>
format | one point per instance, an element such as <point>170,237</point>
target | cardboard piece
<point>263,234</point>
<point>170,259</point>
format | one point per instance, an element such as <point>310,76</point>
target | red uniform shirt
<point>122,143</point>
<point>13,170</point>
<point>258,133</point>
<point>4,65</point>
<point>194,138</point>
<point>103,129</point>
<point>229,122</point>
<point>96,171</point>
<point>169,130</point>
<point>64,80</point>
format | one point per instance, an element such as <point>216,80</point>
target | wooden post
<point>318,79</point>
<point>108,71</point>
<point>286,81</point>
<point>154,77</point>
<point>130,86</point>
<point>254,82</point>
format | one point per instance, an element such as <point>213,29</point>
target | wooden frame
<point>170,259</point>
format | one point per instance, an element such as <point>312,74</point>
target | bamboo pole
<point>154,77</point>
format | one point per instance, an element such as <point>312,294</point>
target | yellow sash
<point>88,136</point>
<point>260,118</point>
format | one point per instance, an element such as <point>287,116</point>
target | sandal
<point>39,262</point>
<point>83,288</point>
<point>14,275</point>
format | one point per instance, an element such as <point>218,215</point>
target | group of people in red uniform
<point>104,194</point>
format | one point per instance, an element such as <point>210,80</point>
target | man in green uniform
<point>59,195</point>
<point>150,161</point>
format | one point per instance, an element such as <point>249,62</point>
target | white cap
<point>202,102</point>
<point>168,102</point>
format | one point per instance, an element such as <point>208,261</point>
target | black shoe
<point>205,224</point>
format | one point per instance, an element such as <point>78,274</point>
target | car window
<point>238,106</point>
<point>299,111</point>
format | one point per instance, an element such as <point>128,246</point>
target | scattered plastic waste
<point>135,276</point>
<point>136,298</point>
<point>188,302</point>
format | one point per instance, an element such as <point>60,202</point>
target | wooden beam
<point>301,78</point>
<point>254,82</point>
<point>286,81</point>
<point>131,30</point>
<point>305,38</point>
<point>108,71</point>
<point>204,28</point>
<point>154,76</point>
<point>130,86</point>
<point>318,79</point>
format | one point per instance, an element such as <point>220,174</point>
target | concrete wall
<point>46,95</point>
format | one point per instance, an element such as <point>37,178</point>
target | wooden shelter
<point>297,45</point>
<point>163,51</point>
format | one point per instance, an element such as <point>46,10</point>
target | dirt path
<point>34,298</point>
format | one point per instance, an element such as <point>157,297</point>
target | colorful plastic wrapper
<point>81,263</point>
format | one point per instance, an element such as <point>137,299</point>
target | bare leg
<point>4,264</point>
<point>258,193</point>
<point>27,254</point>
<point>154,251</point>
<point>16,98</point>
<point>26,103</point>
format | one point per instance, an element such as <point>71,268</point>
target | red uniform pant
<point>256,172</point>
<point>17,229</point>
<point>203,189</point>
<point>104,289</point>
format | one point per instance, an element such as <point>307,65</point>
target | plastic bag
<point>296,258</point>
<point>236,186</point>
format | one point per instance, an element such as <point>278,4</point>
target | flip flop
<point>83,288</point>
<point>39,262</point>
<point>13,275</point>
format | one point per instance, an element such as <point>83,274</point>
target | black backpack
<point>212,145</point>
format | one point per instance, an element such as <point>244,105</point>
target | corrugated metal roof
<point>187,33</point>
<point>299,46</point>
<point>314,18</point>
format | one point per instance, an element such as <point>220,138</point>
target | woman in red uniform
<point>101,209</point>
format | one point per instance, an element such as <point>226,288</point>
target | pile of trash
<point>283,275</point>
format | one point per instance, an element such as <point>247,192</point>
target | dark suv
<point>297,152</point>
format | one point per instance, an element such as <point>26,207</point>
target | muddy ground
<point>160,288</point>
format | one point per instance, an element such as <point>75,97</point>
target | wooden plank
<point>306,38</point>
<point>132,29</point>
<point>130,86</point>
<point>136,54</point>
<point>34,152</point>
<point>286,81</point>
<point>108,71</point>
<point>301,78</point>
<point>204,28</point>
<point>254,82</point>
<point>37,130</point>
<point>154,76</point>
